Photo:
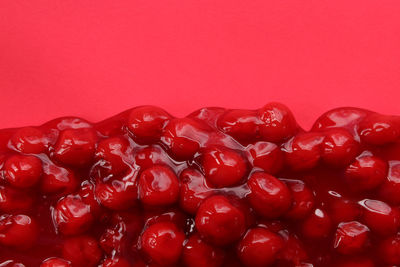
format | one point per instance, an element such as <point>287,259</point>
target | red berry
<point>389,250</point>
<point>86,192</point>
<point>223,167</point>
<point>240,124</point>
<point>184,137</point>
<point>23,171</point>
<point>304,151</point>
<point>344,210</point>
<point>390,188</point>
<point>162,243</point>
<point>259,247</point>
<point>317,225</point>
<point>269,196</point>
<point>339,117</point>
<point>18,231</point>
<point>149,156</point>
<point>377,129</point>
<point>76,146</point>
<point>112,240</point>
<point>55,262</point>
<point>219,221</point>
<point>351,237</point>
<point>294,251</point>
<point>197,253</point>
<point>29,140</point>
<point>13,200</point>
<point>158,186</point>
<point>57,180</point>
<point>72,216</point>
<point>82,251</point>
<point>380,217</point>
<point>193,190</point>
<point>115,262</point>
<point>277,122</point>
<point>112,152</point>
<point>339,147</point>
<point>266,155</point>
<point>147,123</point>
<point>366,173</point>
<point>302,200</point>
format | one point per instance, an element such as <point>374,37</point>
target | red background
<point>96,58</point>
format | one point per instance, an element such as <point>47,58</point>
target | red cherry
<point>149,156</point>
<point>57,180</point>
<point>317,225</point>
<point>55,262</point>
<point>13,200</point>
<point>266,155</point>
<point>390,188</point>
<point>380,217</point>
<point>302,200</point>
<point>277,122</point>
<point>111,241</point>
<point>184,137</point>
<point>259,247</point>
<point>351,237</point>
<point>240,124</point>
<point>147,123</point>
<point>193,190</point>
<point>162,243</point>
<point>339,147</point>
<point>23,171</point>
<point>76,146</point>
<point>115,262</point>
<point>158,186</point>
<point>29,140</point>
<point>112,151</point>
<point>209,115</point>
<point>339,117</point>
<point>72,216</point>
<point>269,196</point>
<point>366,173</point>
<point>11,263</point>
<point>344,210</point>
<point>377,129</point>
<point>86,192</point>
<point>304,151</point>
<point>293,251</point>
<point>82,251</point>
<point>197,253</point>
<point>219,221</point>
<point>389,250</point>
<point>223,167</point>
<point>18,231</point>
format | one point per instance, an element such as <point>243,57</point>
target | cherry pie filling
<point>217,188</point>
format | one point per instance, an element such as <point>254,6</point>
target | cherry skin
<point>153,155</point>
<point>339,117</point>
<point>380,217</point>
<point>82,251</point>
<point>193,190</point>
<point>266,156</point>
<point>18,231</point>
<point>76,147</point>
<point>163,243</point>
<point>158,186</point>
<point>259,247</point>
<point>23,171</point>
<point>72,216</point>
<point>197,253</point>
<point>317,225</point>
<point>366,173</point>
<point>29,140</point>
<point>269,196</point>
<point>115,262</point>
<point>389,250</point>
<point>377,129</point>
<point>302,200</point>
<point>277,122</point>
<point>390,188</point>
<point>147,123</point>
<point>219,222</point>
<point>113,152</point>
<point>351,237</point>
<point>339,147</point>
<point>13,200</point>
<point>240,124</point>
<point>55,262</point>
<point>57,180</point>
<point>223,167</point>
<point>11,263</point>
<point>344,210</point>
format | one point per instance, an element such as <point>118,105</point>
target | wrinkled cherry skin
<point>57,180</point>
<point>147,123</point>
<point>266,156</point>
<point>389,250</point>
<point>113,151</point>
<point>193,190</point>
<point>23,171</point>
<point>163,243</point>
<point>269,196</point>
<point>82,251</point>
<point>377,129</point>
<point>390,188</point>
<point>223,167</point>
<point>29,140</point>
<point>18,231</point>
<point>219,222</point>
<point>197,253</point>
<point>55,262</point>
<point>350,237</point>
<point>302,200</point>
<point>13,200</point>
<point>259,247</point>
<point>158,186</point>
<point>277,122</point>
<point>240,124</point>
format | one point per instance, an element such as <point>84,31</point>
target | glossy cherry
<point>82,251</point>
<point>23,171</point>
<point>198,253</point>
<point>55,262</point>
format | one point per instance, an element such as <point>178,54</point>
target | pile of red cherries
<point>218,188</point>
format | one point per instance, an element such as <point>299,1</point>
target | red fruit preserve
<point>218,188</point>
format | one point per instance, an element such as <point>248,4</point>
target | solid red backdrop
<point>96,58</point>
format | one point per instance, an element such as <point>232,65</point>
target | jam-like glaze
<point>218,188</point>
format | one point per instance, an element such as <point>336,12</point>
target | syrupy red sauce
<point>208,131</point>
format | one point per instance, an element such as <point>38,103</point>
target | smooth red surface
<point>95,58</point>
